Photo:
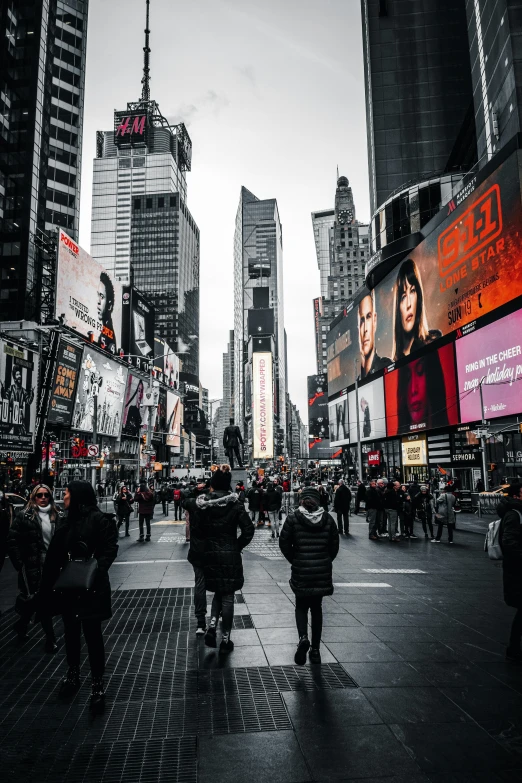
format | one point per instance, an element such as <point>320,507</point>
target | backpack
<point>177,494</point>
<point>492,541</point>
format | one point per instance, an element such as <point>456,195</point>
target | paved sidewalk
<point>413,686</point>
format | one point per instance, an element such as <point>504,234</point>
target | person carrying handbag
<point>445,515</point>
<point>91,536</point>
<point>27,544</point>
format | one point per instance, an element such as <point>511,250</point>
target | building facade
<point>42,75</point>
<point>258,309</point>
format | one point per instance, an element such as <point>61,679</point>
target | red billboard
<point>468,266</point>
<point>422,395</point>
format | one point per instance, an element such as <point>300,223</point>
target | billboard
<point>131,128</point>
<point>422,395</point>
<point>64,383</point>
<point>469,265</point>
<point>263,406</point>
<point>338,421</point>
<point>106,380</point>
<point>414,450</point>
<point>137,340</point>
<point>495,354</point>
<point>18,392</point>
<point>372,416</point>
<point>133,412</point>
<point>166,364</point>
<point>173,421</point>
<point>88,299</point>
<point>319,449</point>
<point>317,406</point>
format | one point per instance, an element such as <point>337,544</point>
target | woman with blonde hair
<point>27,544</point>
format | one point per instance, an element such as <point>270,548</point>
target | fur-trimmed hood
<point>216,500</point>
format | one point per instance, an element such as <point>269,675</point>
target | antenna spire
<point>337,171</point>
<point>145,92</point>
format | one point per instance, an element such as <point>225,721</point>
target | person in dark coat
<point>232,440</point>
<point>195,557</point>
<point>360,496</point>
<point>220,515</point>
<point>28,542</point>
<point>323,495</point>
<point>424,508</point>
<point>391,504</point>
<point>342,502</point>
<point>510,512</point>
<point>310,542</point>
<point>144,497</point>
<point>374,507</point>
<point>124,506</point>
<point>87,532</point>
<point>166,497</point>
<point>253,496</point>
<point>272,501</point>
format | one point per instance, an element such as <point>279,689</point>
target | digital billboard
<point>18,389</point>
<point>372,417</point>
<point>317,406</point>
<point>422,394</point>
<point>338,421</point>
<point>263,406</point>
<point>166,365</point>
<point>469,265</point>
<point>64,383</point>
<point>88,299</point>
<point>495,354</point>
<point>133,412</point>
<point>173,421</point>
<point>320,449</point>
<point>106,380</point>
<point>137,340</point>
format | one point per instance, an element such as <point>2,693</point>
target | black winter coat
<point>124,504</point>
<point>197,541</point>
<point>221,514</point>
<point>272,500</point>
<point>254,499</point>
<point>374,499</point>
<point>25,546</point>
<point>342,498</point>
<point>511,544</point>
<point>391,499</point>
<point>311,549</point>
<point>100,534</point>
<point>361,492</point>
<point>145,501</point>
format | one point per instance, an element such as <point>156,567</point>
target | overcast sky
<point>272,94</point>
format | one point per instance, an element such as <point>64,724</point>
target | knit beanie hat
<point>313,494</point>
<point>221,481</point>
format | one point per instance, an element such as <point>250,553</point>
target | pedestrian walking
<point>144,497</point>
<point>123,506</point>
<point>272,504</point>
<point>374,506</point>
<point>310,542</point>
<point>323,494</point>
<point>445,515</point>
<point>240,492</point>
<point>166,497</point>
<point>360,496</point>
<point>176,494</point>
<point>391,506</point>
<point>408,513</point>
<point>254,498</point>
<point>28,543</point>
<point>341,503</point>
<point>195,556</point>
<point>87,533</point>
<point>424,509</point>
<point>510,512</point>
<point>220,515</point>
<point>382,516</point>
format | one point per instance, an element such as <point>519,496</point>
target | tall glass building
<point>258,286</point>
<point>42,74</point>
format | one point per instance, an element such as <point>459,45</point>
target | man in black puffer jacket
<point>220,515</point>
<point>310,542</point>
<point>510,511</point>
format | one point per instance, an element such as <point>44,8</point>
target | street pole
<point>483,437</point>
<point>359,448</point>
<point>94,433</point>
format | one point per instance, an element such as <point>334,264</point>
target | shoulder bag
<point>77,576</point>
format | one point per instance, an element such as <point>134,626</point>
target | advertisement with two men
<point>468,266</point>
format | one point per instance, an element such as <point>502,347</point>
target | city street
<point>413,685</point>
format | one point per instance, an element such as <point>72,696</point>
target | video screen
<point>372,416</point>
<point>338,416</point>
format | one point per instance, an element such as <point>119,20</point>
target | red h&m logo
<point>131,126</point>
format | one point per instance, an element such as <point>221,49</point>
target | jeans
<point>516,632</point>
<point>381,517</point>
<point>393,517</point>
<point>440,526</point>
<point>343,521</point>
<point>92,631</point>
<point>177,509</point>
<point>371,517</point>
<point>223,604</point>
<point>273,517</point>
<point>200,594</point>
<point>314,603</point>
<point>144,518</point>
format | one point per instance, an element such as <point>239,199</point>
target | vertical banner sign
<point>263,408</point>
<point>64,384</point>
<point>18,387</point>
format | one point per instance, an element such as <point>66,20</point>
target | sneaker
<point>435,540</point>
<point>227,645</point>
<point>412,536</point>
<point>71,682</point>
<point>210,637</point>
<point>314,655</point>
<point>450,542</point>
<point>302,649</point>
<point>201,629</point>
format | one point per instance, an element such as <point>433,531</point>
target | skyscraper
<point>142,229</point>
<point>42,74</point>
<point>258,307</point>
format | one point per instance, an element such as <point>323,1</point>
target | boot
<point>302,649</point>
<point>70,683</point>
<point>97,694</point>
<point>210,636</point>
<point>314,655</point>
<point>227,645</point>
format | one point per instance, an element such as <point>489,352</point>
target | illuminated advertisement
<point>414,450</point>
<point>137,342</point>
<point>64,383</point>
<point>173,421</point>
<point>372,417</point>
<point>166,364</point>
<point>18,388</point>
<point>263,406</point>
<point>338,421</point>
<point>105,381</point>
<point>130,128</point>
<point>88,299</point>
<point>469,265</point>
<point>495,354</point>
<point>422,394</point>
<point>133,411</point>
<point>317,406</point>
<point>320,449</point>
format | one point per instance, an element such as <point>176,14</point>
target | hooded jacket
<point>145,500</point>
<point>511,544</point>
<point>310,542</point>
<point>220,515</point>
